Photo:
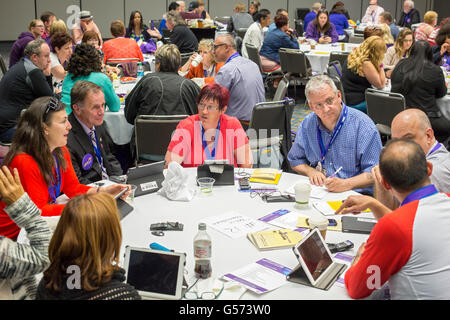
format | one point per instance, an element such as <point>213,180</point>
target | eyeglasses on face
<point>202,106</point>
<point>218,45</point>
<point>328,102</point>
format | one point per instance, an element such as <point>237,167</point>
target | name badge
<point>87,162</point>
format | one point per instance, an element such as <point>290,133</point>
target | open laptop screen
<point>315,255</point>
<point>153,272</point>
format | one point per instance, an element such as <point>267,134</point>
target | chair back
<point>339,56</point>
<point>253,55</point>
<point>3,65</point>
<point>282,89</point>
<point>294,61</point>
<point>383,106</point>
<point>241,32</point>
<point>339,86</point>
<point>356,39</point>
<point>334,69</point>
<point>273,119</point>
<point>153,133</point>
<point>300,13</point>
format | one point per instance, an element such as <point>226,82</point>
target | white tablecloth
<point>227,254</point>
<point>319,58</point>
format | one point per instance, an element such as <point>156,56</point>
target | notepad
<point>328,208</point>
<point>266,175</point>
<point>274,239</point>
<point>303,223</point>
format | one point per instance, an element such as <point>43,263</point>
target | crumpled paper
<point>174,186</point>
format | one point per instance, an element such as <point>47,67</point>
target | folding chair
<point>153,134</point>
<point>334,69</point>
<point>253,55</point>
<point>382,107</point>
<point>339,86</point>
<point>270,125</point>
<point>295,65</point>
<point>339,56</point>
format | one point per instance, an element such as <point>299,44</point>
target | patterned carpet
<point>300,113</point>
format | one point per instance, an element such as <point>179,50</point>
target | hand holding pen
<point>335,184</point>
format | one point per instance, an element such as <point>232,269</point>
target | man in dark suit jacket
<point>88,141</point>
<point>409,15</point>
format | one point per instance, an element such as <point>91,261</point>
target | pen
<point>332,176</point>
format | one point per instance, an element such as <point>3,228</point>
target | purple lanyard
<point>55,189</point>
<point>420,194</point>
<point>437,146</point>
<point>337,129</point>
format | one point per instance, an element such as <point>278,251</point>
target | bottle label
<point>201,251</point>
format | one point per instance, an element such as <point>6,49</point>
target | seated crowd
<point>58,87</point>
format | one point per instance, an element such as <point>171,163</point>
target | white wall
<point>15,17</point>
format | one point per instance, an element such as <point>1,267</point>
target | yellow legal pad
<point>266,175</point>
<point>335,205</point>
<point>274,239</point>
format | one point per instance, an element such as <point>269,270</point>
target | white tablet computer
<point>155,274</point>
<point>315,257</point>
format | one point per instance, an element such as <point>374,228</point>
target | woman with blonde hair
<point>364,69</point>
<point>86,242</point>
<point>58,26</point>
<point>205,69</point>
<point>387,36</point>
<point>400,50</point>
<point>425,29</point>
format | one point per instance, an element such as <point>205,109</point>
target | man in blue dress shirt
<point>335,136</point>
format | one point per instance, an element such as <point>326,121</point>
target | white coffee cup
<point>320,223</point>
<point>197,60</point>
<point>302,193</point>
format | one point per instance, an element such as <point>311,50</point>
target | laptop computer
<point>148,178</point>
<point>155,274</point>
<point>357,224</point>
<point>317,267</point>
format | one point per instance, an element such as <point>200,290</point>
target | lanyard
<point>234,55</point>
<point>420,194</point>
<point>408,20</point>
<point>97,151</point>
<point>205,72</point>
<point>337,129</point>
<point>212,155</point>
<point>55,190</point>
<point>437,146</point>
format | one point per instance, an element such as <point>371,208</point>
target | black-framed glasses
<point>215,46</point>
<point>51,105</point>
<point>207,295</point>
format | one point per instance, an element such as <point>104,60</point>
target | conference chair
<point>334,69</point>
<point>253,55</point>
<point>339,56</point>
<point>339,86</point>
<point>295,65</point>
<point>300,13</point>
<point>3,65</point>
<point>282,89</point>
<point>241,32</point>
<point>166,35</point>
<point>382,107</point>
<point>270,127</point>
<point>153,134</point>
<point>355,39</point>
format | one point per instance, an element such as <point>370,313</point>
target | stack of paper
<point>266,175</point>
<point>274,239</point>
<point>329,208</point>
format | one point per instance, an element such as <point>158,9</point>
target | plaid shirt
<point>357,147</point>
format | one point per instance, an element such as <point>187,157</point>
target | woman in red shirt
<point>39,153</point>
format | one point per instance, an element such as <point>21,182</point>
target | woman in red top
<point>39,153</point>
<point>207,68</point>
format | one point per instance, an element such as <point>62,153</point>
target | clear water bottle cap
<point>202,226</point>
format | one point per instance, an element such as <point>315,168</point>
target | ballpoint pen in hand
<point>334,174</point>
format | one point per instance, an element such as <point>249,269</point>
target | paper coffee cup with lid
<point>302,192</point>
<point>320,223</point>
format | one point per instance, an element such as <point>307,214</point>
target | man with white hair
<point>335,146</point>
<point>409,16</point>
<point>373,12</point>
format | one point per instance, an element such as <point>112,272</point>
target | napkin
<point>174,186</point>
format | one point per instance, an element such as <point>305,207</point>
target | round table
<point>228,254</point>
<point>319,58</point>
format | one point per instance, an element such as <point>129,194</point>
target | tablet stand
<point>298,275</point>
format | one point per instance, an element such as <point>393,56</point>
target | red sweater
<point>34,184</point>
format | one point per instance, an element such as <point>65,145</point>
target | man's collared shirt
<point>440,176</point>
<point>357,147</point>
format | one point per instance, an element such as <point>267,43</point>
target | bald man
<point>414,124</point>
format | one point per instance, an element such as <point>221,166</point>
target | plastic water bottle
<point>202,253</point>
<point>140,71</point>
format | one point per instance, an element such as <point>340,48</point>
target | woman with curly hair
<point>364,69</point>
<point>85,64</point>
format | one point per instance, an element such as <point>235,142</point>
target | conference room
<point>216,150</point>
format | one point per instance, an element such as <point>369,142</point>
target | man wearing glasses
<point>240,76</point>
<point>27,80</point>
<point>335,136</point>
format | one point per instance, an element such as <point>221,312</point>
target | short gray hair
<point>228,39</point>
<point>34,47</point>
<point>174,18</point>
<point>168,57</point>
<point>410,3</point>
<point>318,83</point>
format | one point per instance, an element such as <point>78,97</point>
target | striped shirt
<point>20,262</point>
<point>357,147</point>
